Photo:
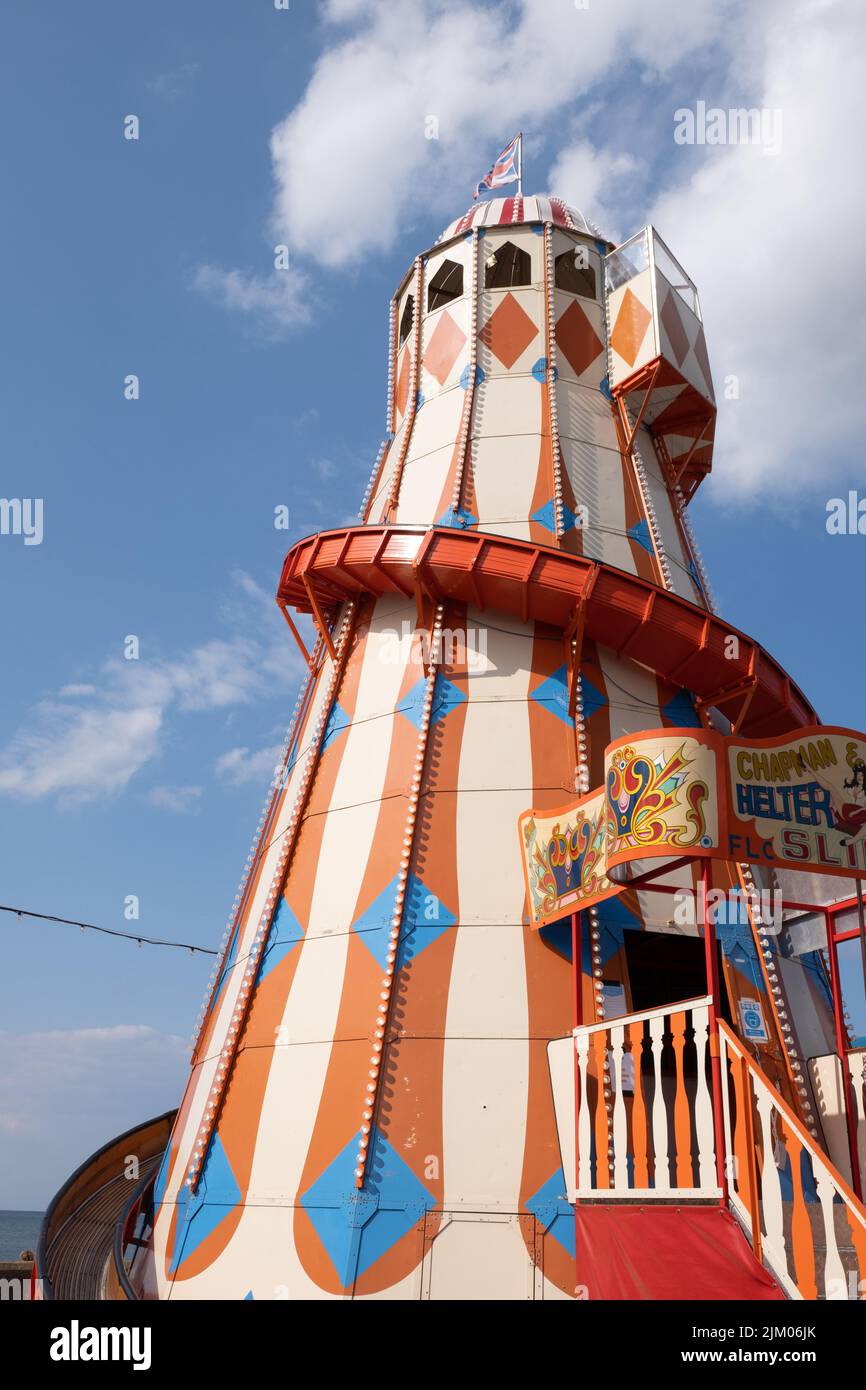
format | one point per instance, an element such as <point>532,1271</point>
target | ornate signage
<point>798,802</point>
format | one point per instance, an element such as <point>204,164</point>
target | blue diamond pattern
<point>338,721</point>
<point>614,919</point>
<point>604,387</point>
<point>446,697</point>
<point>197,1216</point>
<point>226,971</point>
<point>539,370</point>
<point>593,700</point>
<point>468,377</point>
<point>161,1180</point>
<point>553,695</point>
<point>546,516</point>
<point>553,1212</point>
<point>457,517</point>
<point>424,918</point>
<point>557,935</point>
<point>680,710</point>
<point>640,532</point>
<point>356,1229</point>
<point>284,934</point>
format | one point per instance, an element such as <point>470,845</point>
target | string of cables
<point>110,931</point>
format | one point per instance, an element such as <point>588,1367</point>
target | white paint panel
<point>474,1258</point>
<point>486,1079</point>
<point>684,585</point>
<point>421,490</point>
<point>505,471</point>
<point>436,423</point>
<point>507,406</point>
<point>633,694</point>
<point>597,482</point>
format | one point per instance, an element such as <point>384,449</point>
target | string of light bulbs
<point>109,931</point>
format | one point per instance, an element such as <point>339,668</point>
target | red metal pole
<point>861,922</point>
<point>577,1015</point>
<point>847,1089</point>
<point>712,966</point>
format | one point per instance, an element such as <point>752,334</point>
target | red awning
<point>671,636</point>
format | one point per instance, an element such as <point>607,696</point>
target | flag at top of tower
<point>507,167</point>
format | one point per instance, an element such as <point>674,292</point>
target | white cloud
<point>276,302</point>
<point>481,71</point>
<point>582,175</point>
<point>96,745</point>
<point>174,83</point>
<point>240,765</point>
<point>63,1094</point>
<point>772,242</point>
<point>177,799</point>
<point>91,751</point>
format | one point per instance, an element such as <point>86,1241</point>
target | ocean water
<point>19,1230</point>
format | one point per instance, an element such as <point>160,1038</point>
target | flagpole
<point>520,164</point>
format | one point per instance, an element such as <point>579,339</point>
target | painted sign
<point>564,858</point>
<point>796,802</point>
<point>752,1025</point>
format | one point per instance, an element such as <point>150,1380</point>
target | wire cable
<point>109,931</point>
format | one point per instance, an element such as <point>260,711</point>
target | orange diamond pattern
<point>509,331</point>
<point>577,339</point>
<point>403,383</point>
<point>630,327</point>
<point>444,347</point>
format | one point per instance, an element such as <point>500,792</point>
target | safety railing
<point>73,1255</point>
<point>855,1059</point>
<point>803,1219</point>
<point>645,1111</point>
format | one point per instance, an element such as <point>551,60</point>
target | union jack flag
<point>507,167</point>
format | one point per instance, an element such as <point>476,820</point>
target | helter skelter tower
<point>370,1110</point>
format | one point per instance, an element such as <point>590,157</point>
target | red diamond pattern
<point>444,347</point>
<point>673,326</point>
<point>509,331</point>
<point>577,339</point>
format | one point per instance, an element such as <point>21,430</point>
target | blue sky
<point>155,257</point>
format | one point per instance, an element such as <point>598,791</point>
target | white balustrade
<point>654,1113</point>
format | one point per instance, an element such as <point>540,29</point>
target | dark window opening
<point>572,275</point>
<point>508,265</point>
<point>664,968</point>
<point>447,284</point>
<point>407,318</point>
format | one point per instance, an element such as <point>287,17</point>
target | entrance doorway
<point>665,968</point>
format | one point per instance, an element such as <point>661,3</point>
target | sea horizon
<point>19,1230</point>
